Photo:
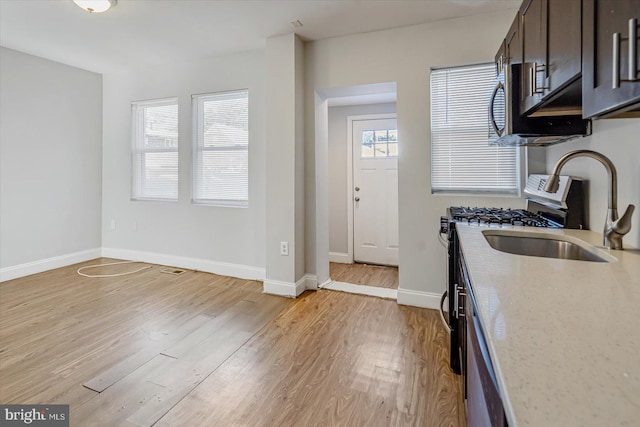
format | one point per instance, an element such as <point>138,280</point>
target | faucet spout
<point>614,228</point>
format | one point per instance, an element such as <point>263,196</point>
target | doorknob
<point>357,199</point>
<point>357,188</point>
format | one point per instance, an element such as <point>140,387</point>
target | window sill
<point>451,193</point>
<point>221,204</point>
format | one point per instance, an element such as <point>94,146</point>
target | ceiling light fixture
<point>96,6</point>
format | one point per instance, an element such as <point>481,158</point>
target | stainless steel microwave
<point>508,127</point>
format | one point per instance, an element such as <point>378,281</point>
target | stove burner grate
<point>499,216</point>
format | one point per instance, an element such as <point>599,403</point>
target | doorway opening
<point>356,129</point>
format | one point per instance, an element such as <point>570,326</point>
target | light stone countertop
<point>563,335</point>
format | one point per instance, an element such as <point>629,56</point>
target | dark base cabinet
<point>484,403</point>
<point>480,385</point>
<point>610,66</point>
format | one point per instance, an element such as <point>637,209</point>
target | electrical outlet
<point>112,225</point>
<point>284,248</point>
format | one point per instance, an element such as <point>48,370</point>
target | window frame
<point>520,152</point>
<point>198,148</point>
<point>138,134</point>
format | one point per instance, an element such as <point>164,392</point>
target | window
<point>221,152</point>
<point>379,143</point>
<point>461,159</point>
<point>155,150</point>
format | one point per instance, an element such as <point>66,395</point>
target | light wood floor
<point>198,349</point>
<point>365,274</point>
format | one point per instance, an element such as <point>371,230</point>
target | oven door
<point>451,319</point>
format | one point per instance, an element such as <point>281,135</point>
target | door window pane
<point>379,143</point>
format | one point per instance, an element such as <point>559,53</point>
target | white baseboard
<point>311,281</point>
<point>340,257</point>
<point>39,266</point>
<point>325,283</point>
<point>284,289</point>
<point>419,299</point>
<point>215,267</point>
<point>371,291</point>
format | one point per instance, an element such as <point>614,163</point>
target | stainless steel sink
<point>543,245</point>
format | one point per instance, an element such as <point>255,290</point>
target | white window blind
<point>221,152</point>
<point>461,159</point>
<point>155,150</point>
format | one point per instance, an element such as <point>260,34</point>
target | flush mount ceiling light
<point>96,6</point>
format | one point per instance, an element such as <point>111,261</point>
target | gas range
<point>500,216</point>
<point>563,209</point>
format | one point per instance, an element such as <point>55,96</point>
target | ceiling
<point>152,32</point>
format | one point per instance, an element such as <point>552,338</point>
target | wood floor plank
<point>323,359</point>
<point>342,360</point>
<point>129,364</point>
<point>365,274</point>
<point>205,331</point>
<point>195,364</point>
<point>92,324</point>
<point>118,402</point>
<point>193,359</point>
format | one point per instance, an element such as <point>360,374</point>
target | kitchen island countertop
<point>563,335</point>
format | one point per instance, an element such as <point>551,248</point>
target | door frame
<point>350,195</point>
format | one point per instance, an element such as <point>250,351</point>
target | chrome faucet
<point>614,228</point>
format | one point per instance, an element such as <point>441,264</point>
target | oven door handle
<point>443,240</point>
<point>443,317</point>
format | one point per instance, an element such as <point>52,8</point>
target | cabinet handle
<point>633,49</point>
<point>615,66</point>
<point>533,77</point>
<point>461,308</point>
<point>460,301</point>
<point>532,82</point>
<point>633,55</point>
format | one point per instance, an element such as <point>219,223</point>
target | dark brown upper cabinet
<point>610,75</point>
<point>513,51</point>
<point>552,60</point>
<point>534,33</point>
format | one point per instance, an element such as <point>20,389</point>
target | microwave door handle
<point>492,116</point>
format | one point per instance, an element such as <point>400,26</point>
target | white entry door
<point>375,191</point>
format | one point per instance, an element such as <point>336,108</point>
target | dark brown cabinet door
<point>600,96</point>
<point>564,43</point>
<point>513,49</point>
<point>513,42</point>
<point>552,48</point>
<point>534,33</point>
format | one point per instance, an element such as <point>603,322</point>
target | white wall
<point>405,56</point>
<point>285,167</point>
<point>51,149</point>
<point>299,243</point>
<point>226,240</point>
<point>338,165</point>
<point>619,140</point>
